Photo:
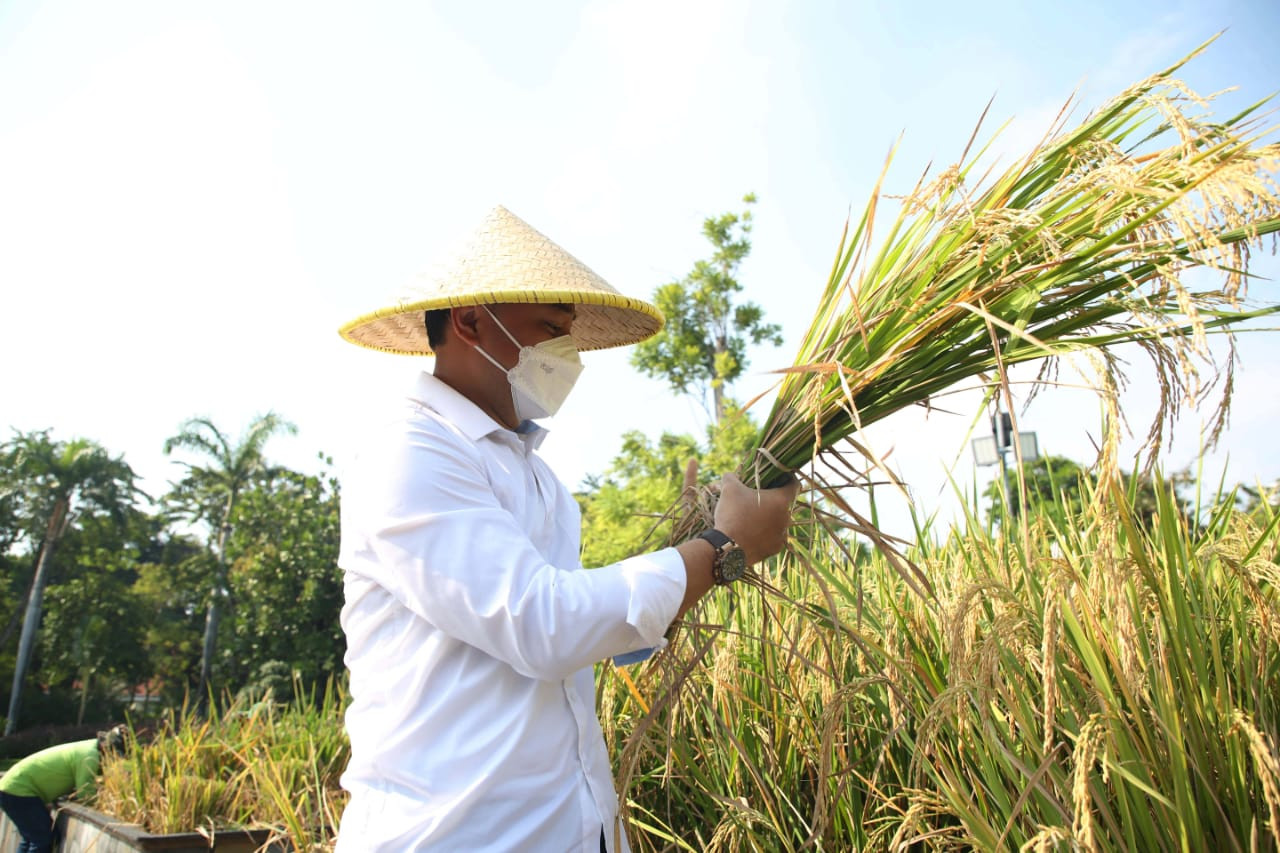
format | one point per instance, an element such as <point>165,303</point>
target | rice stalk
<point>1084,243</point>
<point>1102,234</point>
<point>262,767</point>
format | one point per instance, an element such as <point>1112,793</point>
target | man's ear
<point>462,324</point>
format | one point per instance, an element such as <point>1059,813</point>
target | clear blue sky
<point>194,196</point>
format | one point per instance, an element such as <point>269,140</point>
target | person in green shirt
<point>44,776</point>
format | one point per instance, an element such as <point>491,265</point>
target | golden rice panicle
<point>1047,840</point>
<point>1266,766</point>
<point>725,671</point>
<point>1050,628</point>
<point>1082,760</point>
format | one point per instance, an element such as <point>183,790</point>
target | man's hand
<point>756,519</point>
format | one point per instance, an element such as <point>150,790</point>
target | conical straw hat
<point>508,261</point>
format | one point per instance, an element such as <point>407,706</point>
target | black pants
<point>32,820</point>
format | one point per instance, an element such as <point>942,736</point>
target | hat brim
<point>602,320</point>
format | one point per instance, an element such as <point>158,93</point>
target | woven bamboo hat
<point>506,260</point>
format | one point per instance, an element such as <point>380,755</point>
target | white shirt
<point>471,630</point>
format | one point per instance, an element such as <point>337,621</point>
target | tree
<point>173,576</point>
<point>703,344</point>
<point>1060,489</point>
<point>94,622</point>
<point>209,493</point>
<point>1055,486</point>
<point>51,482</point>
<point>285,580</point>
<point>1259,502</point>
<point>623,510</point>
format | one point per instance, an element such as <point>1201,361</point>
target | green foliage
<point>49,487</point>
<point>93,635</point>
<point>703,344</point>
<point>622,509</point>
<point>271,682</point>
<point>173,581</point>
<point>1059,489</point>
<point>37,474</point>
<point>626,507</point>
<point>209,493</point>
<point>284,580</point>
<point>1053,484</point>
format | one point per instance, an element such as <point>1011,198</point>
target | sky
<point>194,196</point>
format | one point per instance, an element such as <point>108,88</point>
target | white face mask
<point>543,375</point>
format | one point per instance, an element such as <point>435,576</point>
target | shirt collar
<point>473,421</point>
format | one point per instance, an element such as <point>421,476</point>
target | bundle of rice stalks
<point>1087,242</point>
<point>1082,244</point>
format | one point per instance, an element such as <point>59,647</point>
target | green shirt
<point>54,772</point>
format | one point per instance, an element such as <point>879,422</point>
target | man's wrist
<point>698,555</point>
<point>730,561</point>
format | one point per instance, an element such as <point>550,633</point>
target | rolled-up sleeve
<point>424,522</point>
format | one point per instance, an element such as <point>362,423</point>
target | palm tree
<point>211,492</point>
<point>52,482</point>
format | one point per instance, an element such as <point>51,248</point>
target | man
<point>28,787</point>
<point>471,626</point>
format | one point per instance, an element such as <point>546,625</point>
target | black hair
<point>113,741</point>
<point>436,322</point>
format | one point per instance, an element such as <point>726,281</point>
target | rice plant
<point>1104,682</point>
<point>249,766</point>
<point>1085,242</point>
<point>1110,687</point>
<point>989,693</point>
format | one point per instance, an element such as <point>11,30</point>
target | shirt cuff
<point>657,583</point>
<point>638,656</point>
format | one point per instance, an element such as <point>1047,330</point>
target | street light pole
<point>1002,432</point>
<point>995,450</point>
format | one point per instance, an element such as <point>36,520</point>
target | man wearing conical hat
<point>471,625</point>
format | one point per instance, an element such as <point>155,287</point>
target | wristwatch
<point>730,562</point>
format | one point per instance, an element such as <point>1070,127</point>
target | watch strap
<point>717,538</point>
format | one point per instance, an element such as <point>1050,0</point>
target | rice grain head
<point>1051,625</point>
<point>1082,759</point>
<point>1266,766</point>
<point>1046,840</point>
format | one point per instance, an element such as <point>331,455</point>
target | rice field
<point>1090,679</point>
<point>1099,685</point>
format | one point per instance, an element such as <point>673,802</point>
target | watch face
<point>732,565</point>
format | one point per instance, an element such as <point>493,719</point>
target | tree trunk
<point>211,617</point>
<point>58,519</point>
<point>16,616</point>
<point>717,382</point>
<point>85,675</point>
<point>12,624</point>
<point>213,614</point>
